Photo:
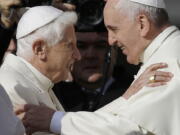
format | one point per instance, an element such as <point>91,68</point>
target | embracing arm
<point>99,122</point>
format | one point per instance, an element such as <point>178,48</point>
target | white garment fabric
<point>25,84</point>
<point>57,117</point>
<point>153,110</point>
<point>152,3</point>
<point>9,123</point>
<point>44,15</point>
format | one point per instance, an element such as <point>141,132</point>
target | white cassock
<point>9,123</point>
<point>25,84</point>
<point>153,110</point>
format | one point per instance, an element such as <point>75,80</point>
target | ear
<point>144,24</point>
<point>40,49</point>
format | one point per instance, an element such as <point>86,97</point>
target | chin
<point>132,61</point>
<point>56,81</point>
<point>60,78</point>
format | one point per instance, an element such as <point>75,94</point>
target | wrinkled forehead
<point>69,33</point>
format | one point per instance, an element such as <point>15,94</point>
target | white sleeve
<point>55,125</point>
<point>115,106</point>
<point>105,121</point>
<point>98,123</point>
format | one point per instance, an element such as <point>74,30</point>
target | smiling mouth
<point>122,47</point>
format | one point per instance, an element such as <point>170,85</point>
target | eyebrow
<point>111,27</point>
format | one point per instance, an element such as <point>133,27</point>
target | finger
<point>69,7</point>
<point>28,131</point>
<point>33,123</point>
<point>157,66</point>
<point>165,74</point>
<point>21,116</point>
<point>23,108</point>
<point>25,123</point>
<point>16,2</point>
<point>19,109</point>
<point>29,106</point>
<point>162,79</point>
<point>156,84</point>
<point>29,122</point>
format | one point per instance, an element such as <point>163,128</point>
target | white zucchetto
<point>153,3</point>
<point>35,18</point>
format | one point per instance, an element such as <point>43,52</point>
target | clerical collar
<point>156,43</point>
<point>46,83</point>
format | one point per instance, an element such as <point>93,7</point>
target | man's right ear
<point>39,48</point>
<point>144,24</point>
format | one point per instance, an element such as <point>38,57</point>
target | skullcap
<point>153,3</point>
<point>35,18</point>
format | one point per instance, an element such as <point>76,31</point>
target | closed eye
<point>113,29</point>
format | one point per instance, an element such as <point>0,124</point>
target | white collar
<point>156,43</point>
<point>29,72</point>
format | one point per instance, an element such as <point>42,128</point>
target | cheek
<point>66,57</point>
<point>61,63</point>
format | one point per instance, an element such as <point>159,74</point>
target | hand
<point>35,117</point>
<point>63,6</point>
<point>8,11</point>
<point>160,78</point>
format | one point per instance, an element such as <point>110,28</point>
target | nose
<point>76,54</point>
<point>112,40</point>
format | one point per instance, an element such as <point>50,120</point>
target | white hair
<point>132,9</point>
<point>52,33</point>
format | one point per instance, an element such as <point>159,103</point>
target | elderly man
<point>141,29</point>
<point>94,84</point>
<point>46,50</point>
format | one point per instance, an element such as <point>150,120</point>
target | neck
<point>40,66</point>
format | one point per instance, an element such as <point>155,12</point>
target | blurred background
<point>173,7</point>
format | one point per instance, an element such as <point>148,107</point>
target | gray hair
<point>157,15</point>
<point>52,33</point>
